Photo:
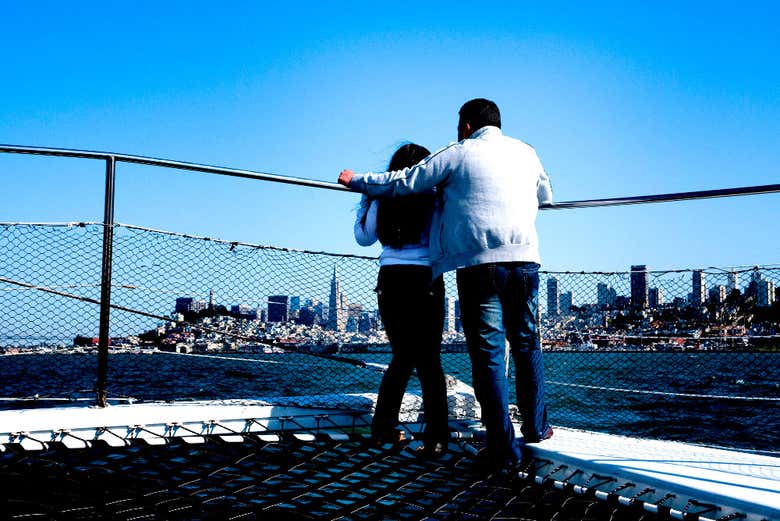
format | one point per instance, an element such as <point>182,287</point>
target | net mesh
<point>685,354</point>
<point>293,480</point>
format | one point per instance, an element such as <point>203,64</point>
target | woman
<point>411,306</point>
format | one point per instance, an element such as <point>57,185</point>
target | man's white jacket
<point>490,187</point>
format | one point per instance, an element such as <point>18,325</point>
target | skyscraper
<point>295,306</point>
<point>189,304</point>
<point>566,302</point>
<point>553,297</point>
<point>602,294</point>
<point>449,314</point>
<point>310,313</point>
<point>319,310</point>
<point>766,293</point>
<point>755,279</point>
<point>368,321</point>
<point>698,289</point>
<point>605,295</point>
<point>639,278</point>
<point>337,309</point>
<point>458,324</point>
<point>733,281</point>
<point>656,297</point>
<point>278,308</point>
<point>243,311</point>
<point>183,304</point>
<point>354,310</point>
<point>718,294</point>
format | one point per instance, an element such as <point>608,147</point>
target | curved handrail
<point>265,176</point>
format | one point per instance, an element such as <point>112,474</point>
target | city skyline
<point>558,301</point>
<point>642,320</point>
<point>601,314</point>
<point>153,268</point>
<point>642,295</point>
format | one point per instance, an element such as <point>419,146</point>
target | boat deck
<point>296,477</point>
<point>256,461</point>
<point>746,482</point>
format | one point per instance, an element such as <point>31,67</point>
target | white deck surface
<point>745,481</point>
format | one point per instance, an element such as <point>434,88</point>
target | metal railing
<point>113,158</point>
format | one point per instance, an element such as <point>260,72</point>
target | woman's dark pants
<point>412,309</point>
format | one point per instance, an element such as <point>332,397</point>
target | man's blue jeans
<point>499,302</point>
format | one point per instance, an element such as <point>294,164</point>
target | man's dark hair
<point>480,113</point>
<point>403,220</point>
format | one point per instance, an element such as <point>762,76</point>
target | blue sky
<point>618,98</point>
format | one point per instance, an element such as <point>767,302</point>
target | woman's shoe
<point>393,437</point>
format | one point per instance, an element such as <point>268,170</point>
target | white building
<point>699,288</point>
<point>718,294</point>
<point>449,314</point>
<point>766,293</point>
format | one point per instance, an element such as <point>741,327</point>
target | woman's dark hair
<point>403,220</point>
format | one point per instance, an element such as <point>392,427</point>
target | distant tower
<point>766,293</point>
<point>751,290</point>
<point>449,314</point>
<point>733,281</point>
<point>184,304</point>
<point>639,290</point>
<point>566,302</point>
<point>295,306</point>
<point>605,295</point>
<point>211,298</point>
<point>458,325</point>
<point>718,295</point>
<point>278,308</point>
<point>656,297</point>
<point>553,297</point>
<point>343,311</point>
<point>698,288</point>
<point>337,312</point>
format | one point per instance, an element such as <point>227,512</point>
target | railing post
<point>105,282</point>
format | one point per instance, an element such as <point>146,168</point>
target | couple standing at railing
<point>469,207</point>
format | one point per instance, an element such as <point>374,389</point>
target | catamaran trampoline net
<point>345,479</point>
<point>688,354</point>
<point>288,479</point>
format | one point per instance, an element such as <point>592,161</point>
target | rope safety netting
<point>682,354</point>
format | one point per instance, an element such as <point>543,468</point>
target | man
<point>490,187</point>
